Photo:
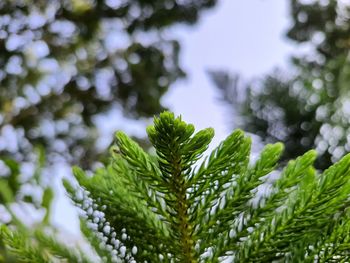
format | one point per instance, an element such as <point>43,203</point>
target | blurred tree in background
<point>65,62</point>
<point>310,106</point>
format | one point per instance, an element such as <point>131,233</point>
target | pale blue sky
<point>245,37</point>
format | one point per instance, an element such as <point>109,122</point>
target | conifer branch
<point>22,246</point>
<point>165,209</point>
<point>172,140</point>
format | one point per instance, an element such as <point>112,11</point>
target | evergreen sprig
<point>38,247</point>
<point>169,208</point>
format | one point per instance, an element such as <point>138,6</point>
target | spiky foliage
<point>166,208</point>
<point>35,247</point>
<point>37,242</point>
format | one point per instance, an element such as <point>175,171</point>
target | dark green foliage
<point>308,108</point>
<point>169,208</point>
<point>64,62</point>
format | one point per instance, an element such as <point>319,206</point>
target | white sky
<point>238,35</point>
